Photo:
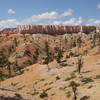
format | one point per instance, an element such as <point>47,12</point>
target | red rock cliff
<point>54,29</point>
<point>49,29</point>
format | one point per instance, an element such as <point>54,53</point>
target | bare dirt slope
<point>36,82</point>
<point>36,78</point>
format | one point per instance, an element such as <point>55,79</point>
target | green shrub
<point>13,84</point>
<point>90,86</point>
<point>87,80</point>
<point>49,55</point>
<point>85,98</point>
<point>48,89</point>
<point>18,95</point>
<point>97,77</point>
<point>63,88</point>
<point>71,54</point>
<point>59,54</point>
<point>3,60</point>
<point>43,94</point>
<point>57,77</point>
<point>73,83</point>
<point>68,94</point>
<point>42,79</point>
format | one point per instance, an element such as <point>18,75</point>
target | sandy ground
<point>37,77</point>
<point>55,82</point>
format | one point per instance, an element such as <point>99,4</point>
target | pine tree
<point>95,39</point>
<point>73,84</point>
<point>59,54</point>
<point>79,42</point>
<point>49,57</point>
<point>5,62</point>
<point>79,64</point>
<point>36,55</point>
<point>16,42</point>
<point>17,67</point>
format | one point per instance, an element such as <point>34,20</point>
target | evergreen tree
<point>16,42</point>
<point>49,57</point>
<point>5,62</point>
<point>79,42</point>
<point>36,55</point>
<point>59,54</point>
<point>79,64</point>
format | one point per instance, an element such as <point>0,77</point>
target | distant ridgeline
<point>50,29</point>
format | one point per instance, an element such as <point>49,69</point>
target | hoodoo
<point>49,29</point>
<point>54,29</point>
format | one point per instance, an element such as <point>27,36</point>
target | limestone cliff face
<point>49,29</point>
<point>55,29</point>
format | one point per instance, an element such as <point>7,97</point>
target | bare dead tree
<point>79,64</point>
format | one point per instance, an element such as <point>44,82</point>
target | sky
<point>45,12</point>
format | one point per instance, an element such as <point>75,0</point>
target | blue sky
<point>65,12</point>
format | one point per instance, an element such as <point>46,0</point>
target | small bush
<point>68,94</point>
<point>97,77</point>
<point>73,83</point>
<point>48,89</point>
<point>87,80</point>
<point>43,94</point>
<point>64,64</point>
<point>90,86</point>
<point>63,88</point>
<point>57,78</point>
<point>11,98</point>
<point>71,54</point>
<point>20,88</point>
<point>35,93</point>
<point>85,52</point>
<point>79,64</point>
<point>85,98</point>
<point>42,79</point>
<point>50,83</point>
<point>73,75</point>
<point>13,84</point>
<point>59,54</point>
<point>18,95</point>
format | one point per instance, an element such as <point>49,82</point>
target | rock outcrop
<point>8,31</point>
<point>54,29</point>
<point>49,29</point>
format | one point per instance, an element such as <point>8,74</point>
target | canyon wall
<point>49,29</point>
<point>55,29</point>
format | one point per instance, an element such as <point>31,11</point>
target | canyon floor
<point>38,83</point>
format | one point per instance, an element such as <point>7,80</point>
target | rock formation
<point>49,29</point>
<point>54,29</point>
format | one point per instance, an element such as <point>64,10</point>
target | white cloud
<point>10,23</point>
<point>57,22</point>
<point>71,21</point>
<point>44,18</point>
<point>69,12</point>
<point>47,18</point>
<point>74,21</point>
<point>93,22</point>
<point>98,6</point>
<point>11,11</point>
